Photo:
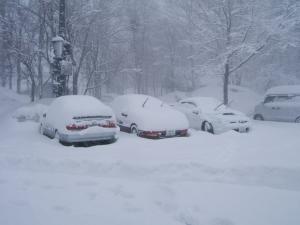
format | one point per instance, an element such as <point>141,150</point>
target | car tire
<point>64,143</point>
<point>258,117</point>
<point>207,127</point>
<point>297,120</point>
<point>134,129</point>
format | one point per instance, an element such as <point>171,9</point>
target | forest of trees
<point>151,46</point>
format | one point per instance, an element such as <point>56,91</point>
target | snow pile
<point>240,98</point>
<point>33,111</point>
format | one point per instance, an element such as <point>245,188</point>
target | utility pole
<point>61,52</point>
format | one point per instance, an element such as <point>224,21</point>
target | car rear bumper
<point>75,138</point>
<point>163,134</point>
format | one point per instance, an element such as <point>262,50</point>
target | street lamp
<point>58,46</point>
<point>62,49</point>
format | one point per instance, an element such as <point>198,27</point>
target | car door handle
<point>276,108</point>
<point>124,114</point>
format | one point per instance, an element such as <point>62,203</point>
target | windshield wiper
<point>145,102</point>
<point>218,106</point>
<point>223,104</point>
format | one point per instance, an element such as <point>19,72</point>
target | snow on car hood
<point>228,114</point>
<point>160,119</point>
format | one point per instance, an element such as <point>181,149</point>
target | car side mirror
<point>196,112</point>
<point>124,114</point>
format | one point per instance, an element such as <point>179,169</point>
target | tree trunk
<point>18,60</point>
<point>19,75</point>
<point>226,83</point>
<point>41,46</point>
<point>33,87</point>
<point>11,70</point>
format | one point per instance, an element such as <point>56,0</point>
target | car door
<point>289,108</point>
<point>192,113</point>
<point>282,108</point>
<point>123,119</point>
<point>269,108</point>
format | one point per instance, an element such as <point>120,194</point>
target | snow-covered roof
<point>284,90</point>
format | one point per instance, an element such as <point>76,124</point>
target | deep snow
<point>224,179</point>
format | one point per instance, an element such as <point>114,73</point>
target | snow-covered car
<point>281,103</point>
<point>209,114</point>
<point>73,119</point>
<point>148,117</point>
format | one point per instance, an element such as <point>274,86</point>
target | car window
<point>282,98</point>
<point>269,99</point>
<point>189,104</point>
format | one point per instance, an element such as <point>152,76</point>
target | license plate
<point>242,130</point>
<point>171,133</point>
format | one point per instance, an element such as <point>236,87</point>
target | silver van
<point>281,103</point>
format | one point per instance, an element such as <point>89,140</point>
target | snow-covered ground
<point>204,179</point>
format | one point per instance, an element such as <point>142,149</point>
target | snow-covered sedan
<point>209,114</point>
<point>73,119</point>
<point>148,117</point>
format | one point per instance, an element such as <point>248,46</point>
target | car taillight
<point>151,133</point>
<point>108,124</point>
<point>183,132</point>
<point>74,127</point>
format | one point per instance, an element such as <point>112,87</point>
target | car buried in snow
<point>148,117</point>
<point>281,103</point>
<point>210,115</point>
<point>74,119</point>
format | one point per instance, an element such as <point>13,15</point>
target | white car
<point>281,103</point>
<point>72,119</point>
<point>209,114</point>
<point>148,117</point>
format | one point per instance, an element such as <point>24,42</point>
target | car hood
<point>229,115</point>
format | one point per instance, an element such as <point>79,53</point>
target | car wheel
<point>134,129</point>
<point>65,143</point>
<point>207,127</point>
<point>297,120</point>
<point>258,117</point>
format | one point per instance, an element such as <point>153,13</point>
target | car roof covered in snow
<point>284,90</point>
<point>136,100</point>
<point>77,105</point>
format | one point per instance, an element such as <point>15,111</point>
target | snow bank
<point>33,111</point>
